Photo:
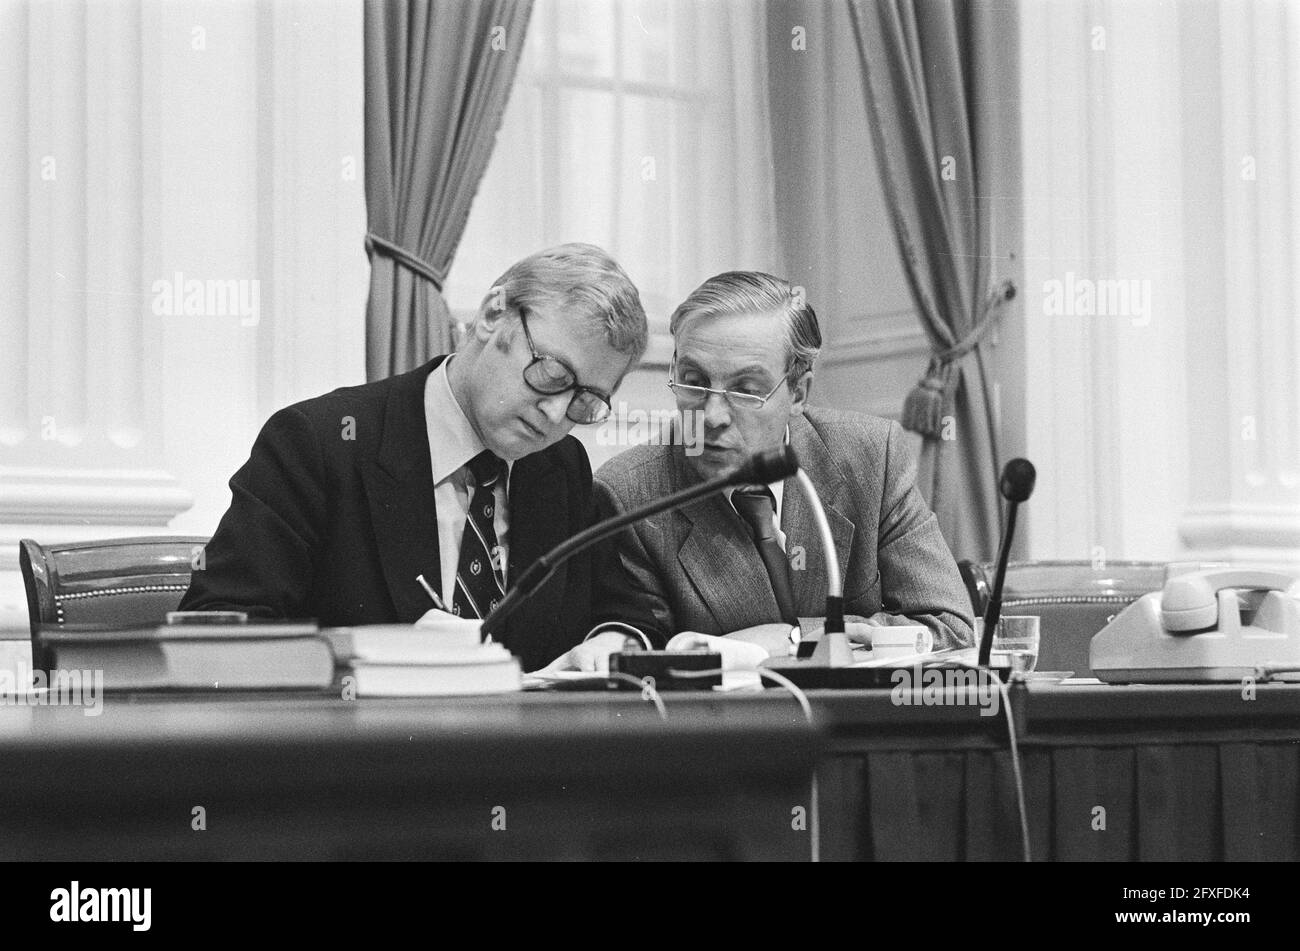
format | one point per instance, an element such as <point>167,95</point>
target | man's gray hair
<point>579,282</point>
<point>751,292</point>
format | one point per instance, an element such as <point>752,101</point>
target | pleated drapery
<point>438,76</point>
<point>920,65</point>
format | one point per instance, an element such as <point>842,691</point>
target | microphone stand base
<point>819,663</point>
<point>833,650</point>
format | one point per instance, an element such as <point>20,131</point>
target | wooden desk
<point>1182,772</point>
<point>525,776</point>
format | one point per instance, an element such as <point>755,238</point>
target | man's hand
<point>859,628</point>
<point>737,654</point>
<point>444,619</point>
<point>773,638</point>
<point>434,617</point>
<point>592,655</point>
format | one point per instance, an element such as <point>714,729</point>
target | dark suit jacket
<point>336,528</point>
<point>697,569</point>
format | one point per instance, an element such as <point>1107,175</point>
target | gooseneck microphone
<point>764,467</point>
<point>832,649</point>
<point>1016,485</point>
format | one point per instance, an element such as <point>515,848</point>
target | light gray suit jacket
<point>697,569</point>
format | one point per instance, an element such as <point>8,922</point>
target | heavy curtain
<point>437,76</point>
<point>921,69</point>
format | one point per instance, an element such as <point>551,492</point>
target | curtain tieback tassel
<point>924,406</point>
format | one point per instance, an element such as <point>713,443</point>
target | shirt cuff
<point>627,629</point>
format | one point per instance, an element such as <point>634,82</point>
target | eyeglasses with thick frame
<point>550,376</point>
<point>699,395</point>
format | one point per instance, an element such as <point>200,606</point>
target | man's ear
<point>492,314</point>
<point>799,392</point>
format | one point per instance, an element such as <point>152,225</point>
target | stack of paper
<point>393,660</point>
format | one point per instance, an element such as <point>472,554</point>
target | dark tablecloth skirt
<point>1236,801</point>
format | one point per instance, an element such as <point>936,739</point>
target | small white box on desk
<point>901,641</point>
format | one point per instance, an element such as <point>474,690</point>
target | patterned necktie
<point>756,505</point>
<point>480,573</point>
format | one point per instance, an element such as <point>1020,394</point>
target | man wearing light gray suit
<point>749,564</point>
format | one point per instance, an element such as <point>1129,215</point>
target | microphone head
<point>1017,483</point>
<point>774,465</point>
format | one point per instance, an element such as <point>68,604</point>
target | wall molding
<point>874,338</point>
<point>14,623</point>
<point>1242,525</point>
<point>79,497</point>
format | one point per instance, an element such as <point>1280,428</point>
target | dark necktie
<point>480,573</point>
<point>756,505</point>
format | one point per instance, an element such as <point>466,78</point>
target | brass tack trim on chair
<point>1071,599</point>
<point>104,592</point>
<point>108,592</point>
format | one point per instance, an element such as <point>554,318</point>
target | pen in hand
<point>437,601</point>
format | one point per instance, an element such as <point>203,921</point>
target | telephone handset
<point>1211,625</point>
<point>1194,602</point>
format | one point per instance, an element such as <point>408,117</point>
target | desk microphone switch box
<point>660,665</point>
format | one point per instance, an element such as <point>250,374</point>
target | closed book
<point>279,657</point>
<point>428,680</point>
<point>452,671</point>
<point>400,644</point>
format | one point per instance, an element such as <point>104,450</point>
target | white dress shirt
<point>452,444</point>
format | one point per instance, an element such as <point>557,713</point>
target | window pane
<point>650,211</point>
<point>662,175</point>
<point>505,222</point>
<point>585,204</point>
<point>540,26</point>
<point>648,50</point>
<point>585,37</point>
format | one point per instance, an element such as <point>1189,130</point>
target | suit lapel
<point>803,540</point>
<point>399,488</point>
<point>720,559</point>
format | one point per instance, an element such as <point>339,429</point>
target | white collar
<point>778,488</point>
<point>452,440</point>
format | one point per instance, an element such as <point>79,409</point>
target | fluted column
<point>1101,86</point>
<point>80,420</point>
<point>21,168</point>
<point>1245,499</point>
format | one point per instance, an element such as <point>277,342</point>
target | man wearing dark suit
<point>750,564</point>
<point>461,471</point>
